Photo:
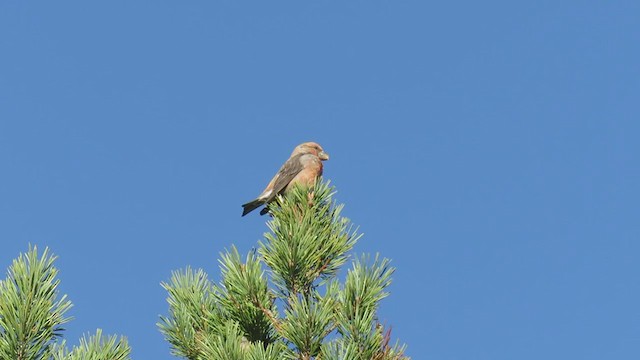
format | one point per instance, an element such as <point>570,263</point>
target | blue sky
<point>490,149</point>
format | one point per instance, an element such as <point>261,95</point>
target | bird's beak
<point>323,155</point>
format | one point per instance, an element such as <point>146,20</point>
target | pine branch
<point>364,289</point>
<point>245,296</point>
<point>30,316</point>
<point>308,242</point>
<point>193,310</point>
<point>96,347</point>
<point>307,322</point>
<point>309,239</point>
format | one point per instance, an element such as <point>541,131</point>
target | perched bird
<point>304,166</point>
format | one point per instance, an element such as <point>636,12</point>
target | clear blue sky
<point>490,149</point>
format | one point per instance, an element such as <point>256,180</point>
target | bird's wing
<point>287,172</point>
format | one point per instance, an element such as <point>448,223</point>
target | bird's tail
<point>251,205</point>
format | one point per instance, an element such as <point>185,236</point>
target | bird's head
<point>311,148</point>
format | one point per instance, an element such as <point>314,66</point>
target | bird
<point>304,166</point>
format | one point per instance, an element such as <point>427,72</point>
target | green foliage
<point>194,312</point>
<point>308,240</point>
<point>364,288</point>
<point>32,315</point>
<point>245,296</point>
<point>95,347</point>
<point>238,318</point>
<point>307,322</point>
<point>295,269</point>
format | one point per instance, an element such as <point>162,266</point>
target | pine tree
<point>284,301</point>
<point>32,315</point>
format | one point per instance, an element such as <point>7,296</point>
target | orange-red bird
<point>304,166</point>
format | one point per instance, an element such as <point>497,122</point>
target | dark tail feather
<point>251,205</point>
